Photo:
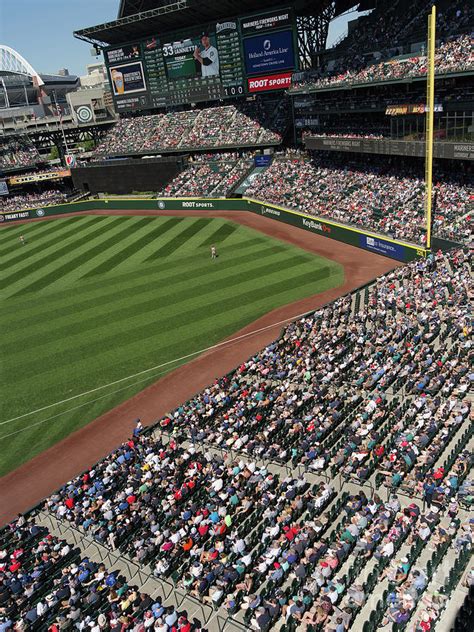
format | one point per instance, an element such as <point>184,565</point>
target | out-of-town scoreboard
<point>220,60</point>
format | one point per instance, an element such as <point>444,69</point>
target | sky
<point>42,30</point>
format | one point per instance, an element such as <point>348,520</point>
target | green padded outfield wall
<point>355,237</point>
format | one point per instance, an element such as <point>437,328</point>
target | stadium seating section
<point>16,153</point>
<point>324,481</point>
<point>225,126</point>
<point>392,25</point>
<point>33,200</point>
<point>208,176</point>
<point>456,55</point>
<point>47,585</point>
<point>379,198</point>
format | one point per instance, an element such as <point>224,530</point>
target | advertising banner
<point>271,52</point>
<point>9,217</point>
<point>270,82</point>
<point>265,22</point>
<point>3,187</point>
<point>264,160</point>
<point>39,177</point>
<point>124,53</point>
<point>415,148</point>
<point>127,78</point>
<point>411,108</point>
<point>381,247</point>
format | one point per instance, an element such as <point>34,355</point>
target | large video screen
<point>214,61</point>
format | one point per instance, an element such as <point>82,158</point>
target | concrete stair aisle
<point>437,582</point>
<point>289,579</point>
<point>134,574</point>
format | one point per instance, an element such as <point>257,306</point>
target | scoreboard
<point>215,61</point>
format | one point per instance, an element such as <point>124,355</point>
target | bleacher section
<point>259,501</point>
<point>17,153</point>
<point>376,197</point>
<point>452,56</point>
<point>208,178</point>
<point>218,127</point>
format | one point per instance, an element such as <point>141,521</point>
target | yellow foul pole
<point>430,124</point>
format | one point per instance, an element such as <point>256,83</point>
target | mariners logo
<point>161,204</point>
<point>40,212</point>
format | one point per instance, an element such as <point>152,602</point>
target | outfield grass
<point>90,300</point>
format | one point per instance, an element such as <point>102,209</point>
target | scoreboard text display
<point>215,61</point>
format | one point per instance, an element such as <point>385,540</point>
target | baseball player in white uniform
<point>208,57</point>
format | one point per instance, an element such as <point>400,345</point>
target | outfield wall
<point>355,237</point>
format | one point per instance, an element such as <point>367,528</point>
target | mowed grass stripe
<point>137,307</point>
<point>116,362</point>
<point>221,234</point>
<point>29,443</point>
<point>174,299</point>
<point>86,256</point>
<point>56,255</point>
<point>173,245</point>
<point>12,232</point>
<point>71,300</point>
<point>119,257</point>
<point>32,248</point>
<point>110,295</point>
<point>21,372</point>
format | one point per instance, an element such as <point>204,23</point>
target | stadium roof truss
<point>136,20</point>
<point>11,61</point>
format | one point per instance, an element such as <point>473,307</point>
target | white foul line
<point>158,366</point>
<point>69,410</point>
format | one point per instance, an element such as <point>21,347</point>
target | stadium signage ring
<point>84,114</point>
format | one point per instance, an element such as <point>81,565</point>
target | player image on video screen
<point>207,56</point>
<point>193,57</point>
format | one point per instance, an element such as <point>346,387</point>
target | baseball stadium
<point>236,305</point>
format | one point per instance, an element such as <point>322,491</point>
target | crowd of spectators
<point>207,177</point>
<point>225,530</point>
<point>17,154</point>
<point>377,197</point>
<point>211,127</point>
<point>455,55</point>
<point>228,531</point>
<point>25,201</point>
<point>46,584</point>
<point>278,408</point>
<point>392,25</point>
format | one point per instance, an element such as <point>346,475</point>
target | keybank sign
<point>309,223</point>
